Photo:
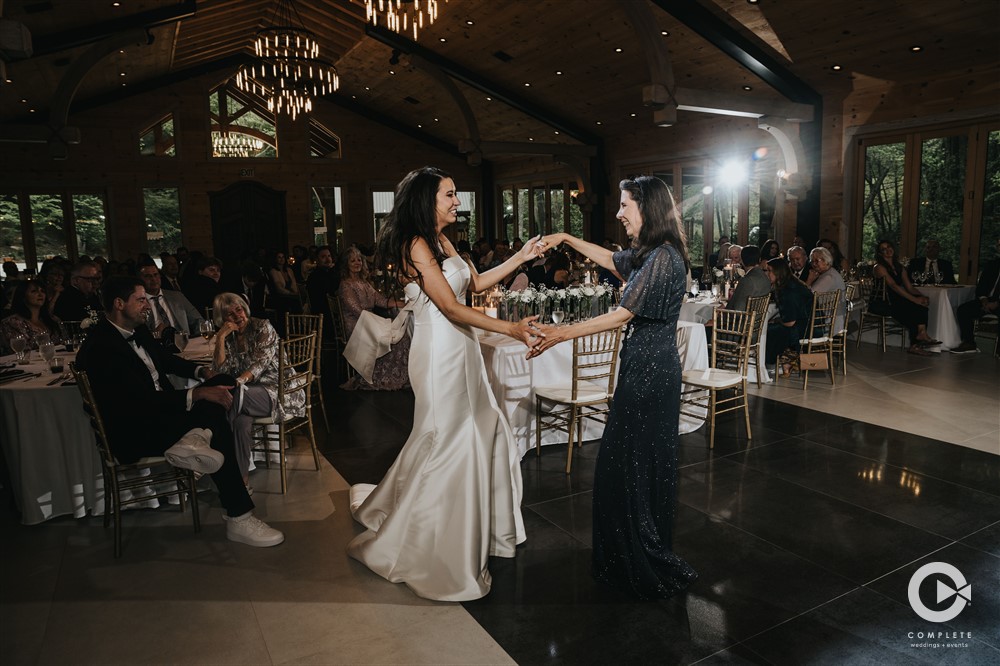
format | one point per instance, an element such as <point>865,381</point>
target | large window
<point>328,217</point>
<point>939,184</point>
<point>158,139</point>
<point>242,127</point>
<point>163,219</point>
<point>539,209</point>
<point>37,226</point>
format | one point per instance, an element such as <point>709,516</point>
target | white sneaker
<point>193,451</point>
<point>252,531</point>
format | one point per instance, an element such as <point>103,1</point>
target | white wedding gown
<point>452,498</point>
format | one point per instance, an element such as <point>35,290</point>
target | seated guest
<point>145,416</point>
<point>81,293</point>
<point>29,316</point>
<point>247,348</point>
<point>356,295</point>
<point>824,278</point>
<point>605,275</point>
<point>557,268</point>
<point>723,255</point>
<point>754,283</point>
<point>933,268</point>
<point>253,288</point>
<point>798,262</point>
<point>501,253</point>
<point>713,259</point>
<point>794,301</point>
<point>324,280</point>
<point>840,263</point>
<point>283,289</point>
<point>987,302</point>
<point>202,286</point>
<point>735,262</point>
<point>53,279</point>
<point>168,309</point>
<point>170,272</point>
<point>770,249</point>
<point>908,306</point>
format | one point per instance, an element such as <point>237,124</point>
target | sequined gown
<point>390,370</point>
<point>635,484</point>
<point>452,498</point>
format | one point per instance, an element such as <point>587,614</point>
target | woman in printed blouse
<point>356,295</point>
<point>247,348</point>
<point>30,316</point>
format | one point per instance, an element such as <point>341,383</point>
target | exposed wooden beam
<point>480,83</point>
<point>68,39</point>
<point>705,101</point>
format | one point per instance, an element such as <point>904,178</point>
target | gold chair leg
<point>711,415</point>
<point>281,457</point>
<point>746,410</point>
<point>569,432</point>
<point>322,402</point>
<point>538,427</point>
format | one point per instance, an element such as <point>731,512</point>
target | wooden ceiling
<point>545,71</point>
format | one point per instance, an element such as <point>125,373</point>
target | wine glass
<point>207,329</point>
<point>47,351</point>
<point>19,343</point>
<point>42,339</point>
<point>557,316</point>
<point>694,288</point>
<point>181,339</point>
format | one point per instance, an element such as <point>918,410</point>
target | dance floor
<point>805,540</point>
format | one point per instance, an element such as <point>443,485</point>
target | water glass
<point>715,291</point>
<point>694,288</point>
<point>47,351</point>
<point>558,316</point>
<point>19,343</point>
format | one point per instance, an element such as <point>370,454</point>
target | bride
<point>452,498</point>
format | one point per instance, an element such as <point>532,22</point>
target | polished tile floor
<point>805,540</point>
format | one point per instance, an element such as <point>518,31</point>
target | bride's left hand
<point>526,331</point>
<point>530,250</point>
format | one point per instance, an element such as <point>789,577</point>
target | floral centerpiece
<point>90,320</point>
<point>578,302</point>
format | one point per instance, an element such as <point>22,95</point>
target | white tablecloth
<point>49,447</point>
<point>512,379</point>
<point>941,322</point>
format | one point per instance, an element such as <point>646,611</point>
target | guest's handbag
<point>813,361</point>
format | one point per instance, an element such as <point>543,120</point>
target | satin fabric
<point>452,498</point>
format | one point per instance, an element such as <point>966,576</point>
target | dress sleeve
<point>648,291</point>
<point>623,262</point>
<point>263,349</point>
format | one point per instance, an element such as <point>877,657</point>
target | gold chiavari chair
<point>304,324</point>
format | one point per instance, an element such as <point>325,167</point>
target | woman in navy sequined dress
<point>635,484</point>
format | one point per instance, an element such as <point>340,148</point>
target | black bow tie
<point>131,338</point>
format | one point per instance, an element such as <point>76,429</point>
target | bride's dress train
<point>452,498</point>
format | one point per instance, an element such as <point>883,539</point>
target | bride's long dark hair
<point>660,218</point>
<point>412,216</point>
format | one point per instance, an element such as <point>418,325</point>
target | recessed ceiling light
<point>116,4</point>
<point>393,72</point>
<point>121,73</point>
<point>618,50</point>
<point>836,68</point>
<point>558,72</point>
<point>443,40</point>
<point>557,132</point>
<point>24,101</point>
<point>530,139</point>
<point>489,99</point>
<point>632,115</point>
<point>752,2</point>
<point>124,84</point>
<point>916,47</point>
<point>31,110</point>
<point>747,88</point>
<point>665,33</point>
<point>527,85</point>
<point>354,96</point>
<point>121,50</point>
<point>419,125</point>
<point>367,88</point>
<point>469,22</point>
<point>8,81</point>
<point>599,122</point>
<point>435,120</point>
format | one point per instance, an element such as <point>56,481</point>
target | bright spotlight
<point>706,190</point>
<point>732,174</point>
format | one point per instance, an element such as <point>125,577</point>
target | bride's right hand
<point>525,331</point>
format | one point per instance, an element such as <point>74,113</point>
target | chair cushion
<point>815,341</point>
<point>585,393</point>
<point>712,378</point>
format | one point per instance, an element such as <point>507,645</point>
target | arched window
<point>242,126</point>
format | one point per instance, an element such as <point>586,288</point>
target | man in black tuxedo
<point>931,265</point>
<point>987,302</point>
<point>145,416</point>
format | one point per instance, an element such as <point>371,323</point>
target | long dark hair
<point>660,219</point>
<point>20,307</point>
<point>412,216</point>
<point>782,275</point>
<point>894,266</point>
<point>834,249</point>
<point>765,249</point>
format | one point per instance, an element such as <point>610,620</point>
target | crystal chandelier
<point>235,144</point>
<point>289,71</point>
<point>400,15</point>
